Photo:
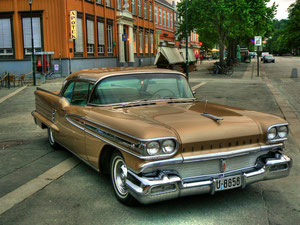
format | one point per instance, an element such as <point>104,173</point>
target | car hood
<point>186,122</point>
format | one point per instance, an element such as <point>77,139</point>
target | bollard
<point>294,73</point>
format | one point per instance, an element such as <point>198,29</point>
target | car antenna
<point>205,106</point>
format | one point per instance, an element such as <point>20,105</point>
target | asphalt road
<point>81,196</point>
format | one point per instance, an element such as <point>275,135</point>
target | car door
<point>70,118</point>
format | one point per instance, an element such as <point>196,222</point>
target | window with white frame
<point>79,39</point>
<point>171,20</point>
<point>150,11</point>
<point>108,3</point>
<point>168,19</point>
<point>99,2</point>
<point>145,9</point>
<point>133,7</point>
<point>6,47</point>
<point>140,7</point>
<point>165,18</point>
<point>119,4</point>
<point>90,36</point>
<point>110,38</point>
<point>155,14</point>
<point>141,43</point>
<point>101,39</point>
<point>146,42</point>
<point>160,16</point>
<point>151,43</point>
<point>37,37</point>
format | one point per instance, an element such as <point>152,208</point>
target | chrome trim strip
<point>161,163</point>
<point>210,116</point>
<point>112,139</point>
<point>73,123</point>
<point>229,154</point>
<point>123,133</point>
<point>208,156</point>
<point>113,144</point>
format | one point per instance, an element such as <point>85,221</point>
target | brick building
<point>164,23</point>
<point>108,34</point>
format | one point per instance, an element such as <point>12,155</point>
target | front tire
<point>51,139</point>
<point>118,171</point>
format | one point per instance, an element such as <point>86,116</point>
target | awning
<point>170,54</point>
<point>215,50</point>
<point>192,57</point>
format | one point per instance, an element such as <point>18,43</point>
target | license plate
<point>228,183</point>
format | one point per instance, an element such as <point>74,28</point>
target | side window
<point>69,92</point>
<point>81,93</point>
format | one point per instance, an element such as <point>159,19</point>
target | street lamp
<point>186,43</point>
<point>32,45</point>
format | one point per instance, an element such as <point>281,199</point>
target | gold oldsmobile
<point>158,142</point>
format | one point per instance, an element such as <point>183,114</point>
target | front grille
<point>202,168</point>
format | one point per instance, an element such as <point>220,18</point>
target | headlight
<point>272,133</point>
<point>282,131</point>
<point>153,148</point>
<point>168,146</point>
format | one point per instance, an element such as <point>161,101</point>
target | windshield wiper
<point>179,100</point>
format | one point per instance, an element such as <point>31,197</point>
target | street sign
<point>257,40</point>
<point>124,37</point>
<point>73,21</point>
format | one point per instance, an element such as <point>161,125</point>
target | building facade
<point>109,33</point>
<point>164,23</point>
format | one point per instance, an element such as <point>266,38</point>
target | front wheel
<point>118,171</point>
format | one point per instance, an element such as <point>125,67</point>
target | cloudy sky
<point>282,7</point>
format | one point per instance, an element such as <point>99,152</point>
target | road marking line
<point>198,85</point>
<point>12,94</point>
<point>26,190</point>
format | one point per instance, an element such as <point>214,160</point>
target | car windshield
<point>269,56</point>
<point>141,87</point>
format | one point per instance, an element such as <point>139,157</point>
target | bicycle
<point>50,76</point>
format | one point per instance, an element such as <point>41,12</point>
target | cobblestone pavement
<point>81,196</point>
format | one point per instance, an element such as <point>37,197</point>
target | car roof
<point>99,73</point>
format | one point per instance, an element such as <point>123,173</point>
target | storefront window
<point>6,47</point>
<point>37,37</point>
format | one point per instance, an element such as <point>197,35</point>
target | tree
<point>227,21</point>
<point>293,27</point>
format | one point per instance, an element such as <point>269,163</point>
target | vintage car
<point>158,142</point>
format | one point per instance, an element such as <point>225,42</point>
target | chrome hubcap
<point>120,175</point>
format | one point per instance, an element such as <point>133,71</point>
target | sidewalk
<point>241,71</point>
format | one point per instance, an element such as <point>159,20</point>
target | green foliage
<point>286,35</point>
<point>227,21</point>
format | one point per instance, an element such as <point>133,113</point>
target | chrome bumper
<point>168,185</point>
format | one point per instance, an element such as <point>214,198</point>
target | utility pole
<point>32,45</point>
<point>186,43</point>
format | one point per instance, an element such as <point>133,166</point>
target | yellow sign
<point>73,20</point>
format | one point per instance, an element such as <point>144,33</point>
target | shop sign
<point>73,20</point>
